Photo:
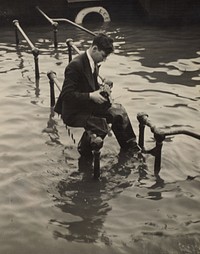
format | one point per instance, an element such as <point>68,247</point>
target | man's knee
<point>98,126</point>
<point>117,113</point>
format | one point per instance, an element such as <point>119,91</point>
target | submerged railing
<point>159,136</point>
<point>71,46</point>
<point>34,50</point>
<point>54,81</point>
<point>54,23</point>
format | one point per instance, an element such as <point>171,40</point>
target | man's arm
<point>97,97</point>
<point>71,87</point>
<point>72,82</point>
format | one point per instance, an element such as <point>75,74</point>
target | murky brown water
<point>49,202</point>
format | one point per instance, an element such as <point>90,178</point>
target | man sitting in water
<point>84,103</point>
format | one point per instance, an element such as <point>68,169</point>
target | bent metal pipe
<point>159,136</point>
<point>34,50</point>
<point>54,23</point>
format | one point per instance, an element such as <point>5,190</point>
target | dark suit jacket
<point>73,103</point>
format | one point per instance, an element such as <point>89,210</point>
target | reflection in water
<point>21,63</point>
<point>81,197</point>
<point>158,185</point>
<point>23,71</point>
<point>153,195</point>
<point>55,53</point>
<point>161,91</point>
<point>88,200</point>
<point>158,76</point>
<point>37,87</point>
<point>51,129</point>
<point>180,105</point>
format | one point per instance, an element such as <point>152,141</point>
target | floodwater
<point>49,202</point>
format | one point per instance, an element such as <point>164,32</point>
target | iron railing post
<point>96,163</point>
<point>51,75</point>
<point>69,45</point>
<point>140,117</point>
<point>157,153</point>
<point>16,36</point>
<point>35,53</point>
<point>55,31</point>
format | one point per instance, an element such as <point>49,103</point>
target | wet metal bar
<point>159,136</point>
<point>35,51</point>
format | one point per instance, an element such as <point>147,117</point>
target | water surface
<point>49,201</point>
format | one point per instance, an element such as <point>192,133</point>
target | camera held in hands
<point>106,91</point>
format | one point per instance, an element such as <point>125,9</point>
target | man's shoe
<point>132,149</point>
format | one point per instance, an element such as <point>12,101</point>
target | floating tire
<point>97,9</point>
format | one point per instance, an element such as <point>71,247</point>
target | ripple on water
<point>49,200</point>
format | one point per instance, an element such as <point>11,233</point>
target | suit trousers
<point>97,123</point>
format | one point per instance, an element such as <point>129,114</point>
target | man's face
<point>98,55</point>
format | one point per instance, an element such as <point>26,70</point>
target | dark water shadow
<point>87,200</point>
<point>51,129</point>
<point>168,55</point>
<point>161,91</point>
<point>20,56</point>
<point>184,79</point>
<point>37,87</point>
<point>82,198</point>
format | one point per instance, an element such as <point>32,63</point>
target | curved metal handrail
<point>16,23</point>
<point>159,136</point>
<point>74,24</point>
<point>34,50</point>
<point>52,77</point>
<point>54,23</point>
<point>143,118</point>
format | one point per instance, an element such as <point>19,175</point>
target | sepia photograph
<point>100,126</point>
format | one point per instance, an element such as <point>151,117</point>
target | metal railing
<point>159,136</point>
<point>53,81</point>
<point>34,50</point>
<point>96,152</point>
<point>54,23</point>
<point>71,46</point>
<point>143,120</point>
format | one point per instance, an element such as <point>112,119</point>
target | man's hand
<point>97,97</point>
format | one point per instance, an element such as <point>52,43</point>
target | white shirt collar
<point>91,61</point>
